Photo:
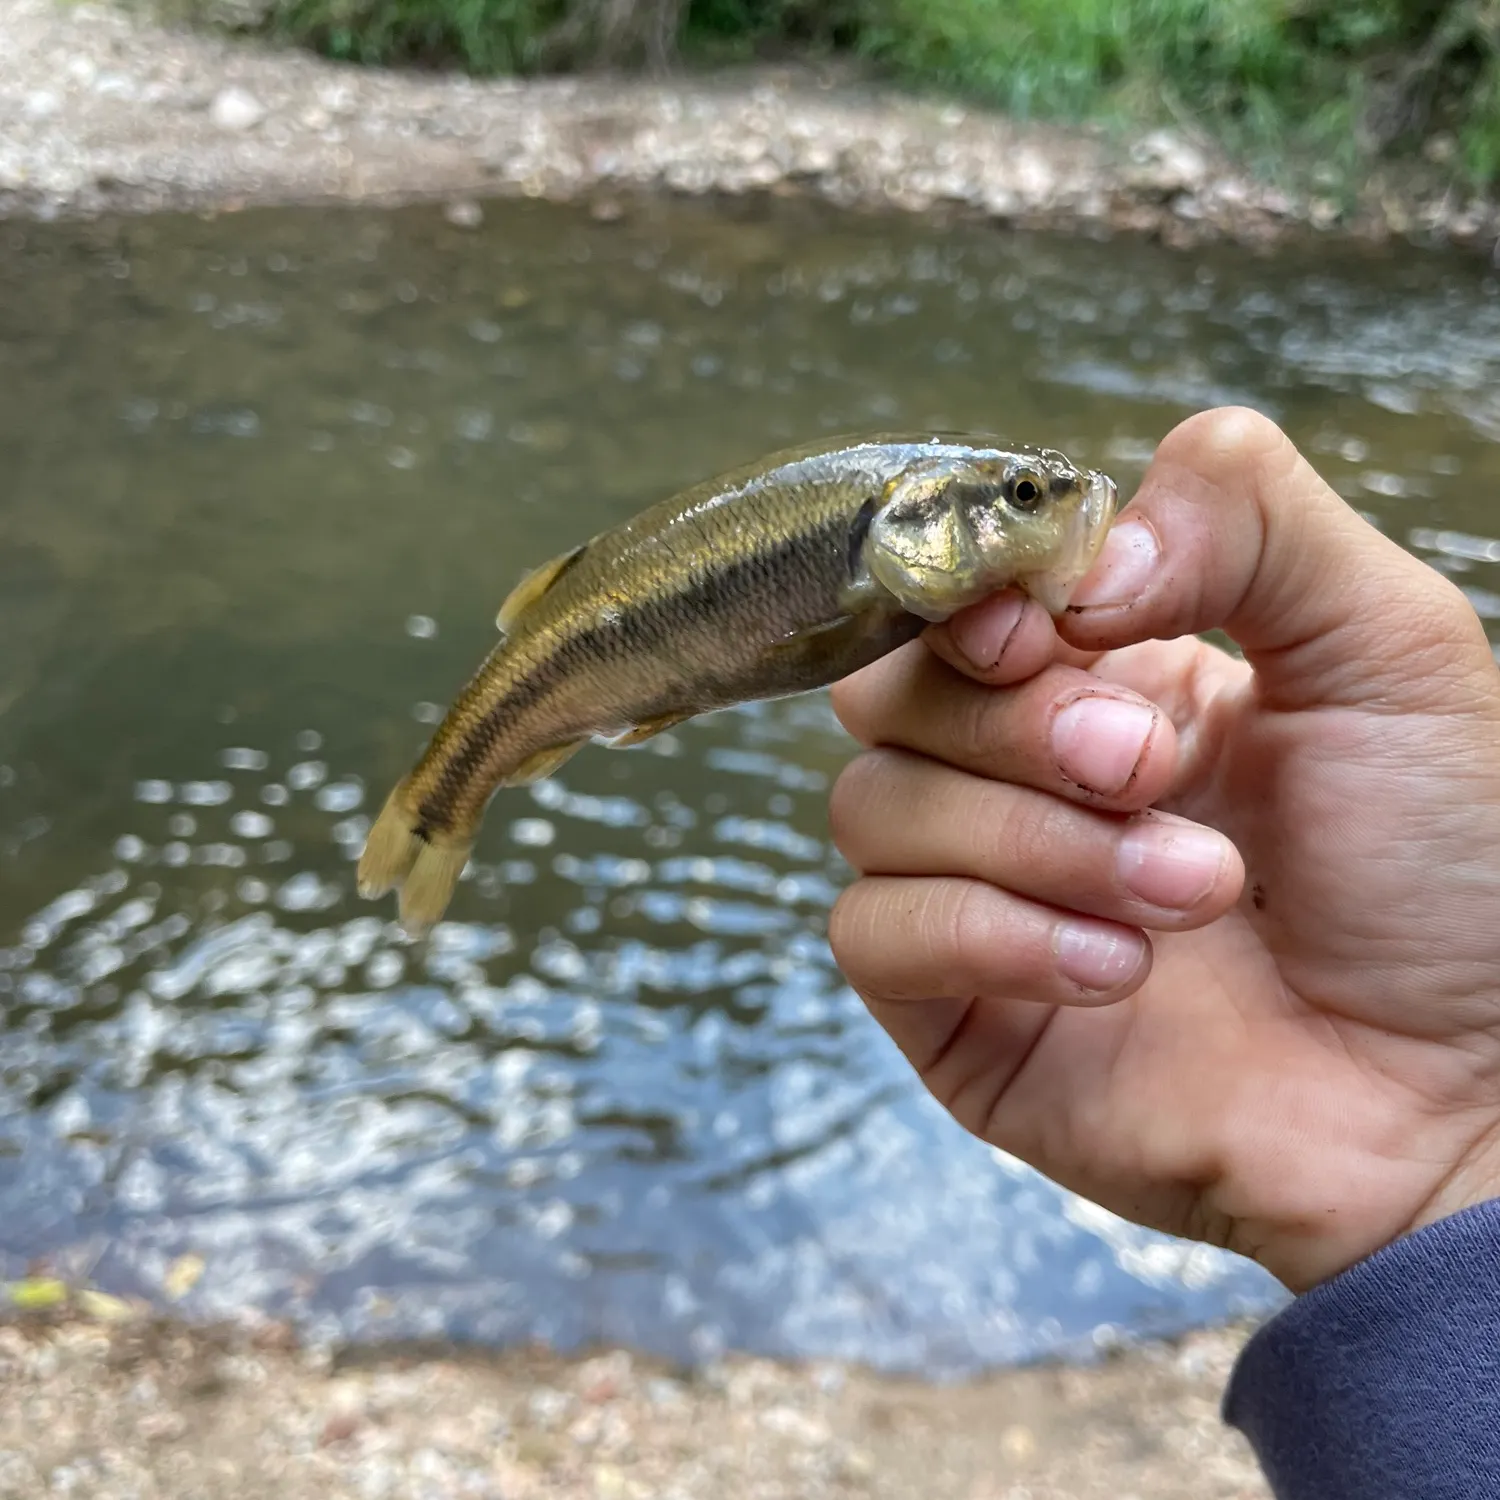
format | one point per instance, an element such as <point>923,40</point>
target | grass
<point>1345,80</point>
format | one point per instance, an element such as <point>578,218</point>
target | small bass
<point>774,579</point>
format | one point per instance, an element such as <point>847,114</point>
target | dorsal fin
<point>533,586</point>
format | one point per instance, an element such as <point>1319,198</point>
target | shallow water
<point>263,481</point>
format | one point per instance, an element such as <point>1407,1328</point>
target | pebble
<point>1164,163</point>
<point>162,1426</point>
<point>116,86</point>
<point>464,213</point>
<point>236,109</point>
<point>547,1406</point>
<point>340,1426</point>
<point>1018,1443</point>
<point>338,99</point>
<point>662,1392</point>
<point>604,1378</point>
<point>788,1422</point>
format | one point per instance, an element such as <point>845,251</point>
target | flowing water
<point>263,482</point>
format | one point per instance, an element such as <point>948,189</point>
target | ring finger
<point>898,814</point>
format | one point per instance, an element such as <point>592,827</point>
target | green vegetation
<point>1347,79</point>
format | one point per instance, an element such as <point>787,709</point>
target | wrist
<point>1474,1179</point>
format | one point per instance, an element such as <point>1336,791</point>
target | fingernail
<point>1095,956</point>
<point>1128,559</point>
<point>1099,741</point>
<point>1171,864</point>
<point>983,631</point>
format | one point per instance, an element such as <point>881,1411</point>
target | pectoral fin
<point>533,586</point>
<point>825,636</point>
<point>647,729</point>
<point>824,653</point>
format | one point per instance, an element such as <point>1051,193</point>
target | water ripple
<point>622,1092</point>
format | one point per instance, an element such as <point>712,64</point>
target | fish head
<point>960,524</point>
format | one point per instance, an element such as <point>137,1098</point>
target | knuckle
<point>1252,433</point>
<point>970,932</point>
<point>979,725</point>
<point>1029,837</point>
<point>1233,434</point>
<point>854,801</point>
<point>850,921</point>
<point>1004,732</point>
<point>1455,616</point>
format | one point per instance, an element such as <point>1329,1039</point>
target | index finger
<point>1003,639</point>
<point>1233,529</point>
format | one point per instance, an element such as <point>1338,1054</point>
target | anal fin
<point>542,763</point>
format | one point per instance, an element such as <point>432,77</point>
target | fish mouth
<point>1053,590</point>
<point>1099,509</point>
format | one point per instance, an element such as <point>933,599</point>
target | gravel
<point>105,109</point>
<point>148,1410</point>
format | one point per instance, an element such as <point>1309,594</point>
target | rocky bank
<point>101,108</point>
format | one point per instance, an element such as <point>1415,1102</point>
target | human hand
<point>1301,1061</point>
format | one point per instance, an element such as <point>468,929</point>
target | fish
<point>774,579</point>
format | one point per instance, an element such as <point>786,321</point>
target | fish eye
<point>1025,490</point>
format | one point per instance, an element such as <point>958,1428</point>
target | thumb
<point>1232,529</point>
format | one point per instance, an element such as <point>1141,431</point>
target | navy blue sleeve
<point>1384,1383</point>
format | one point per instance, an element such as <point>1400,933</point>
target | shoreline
<point>109,112</point>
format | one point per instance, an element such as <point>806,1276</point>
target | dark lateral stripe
<point>642,625</point>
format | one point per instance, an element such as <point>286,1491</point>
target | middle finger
<point>1063,731</point>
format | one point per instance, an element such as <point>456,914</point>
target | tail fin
<point>425,866</point>
<point>430,885</point>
